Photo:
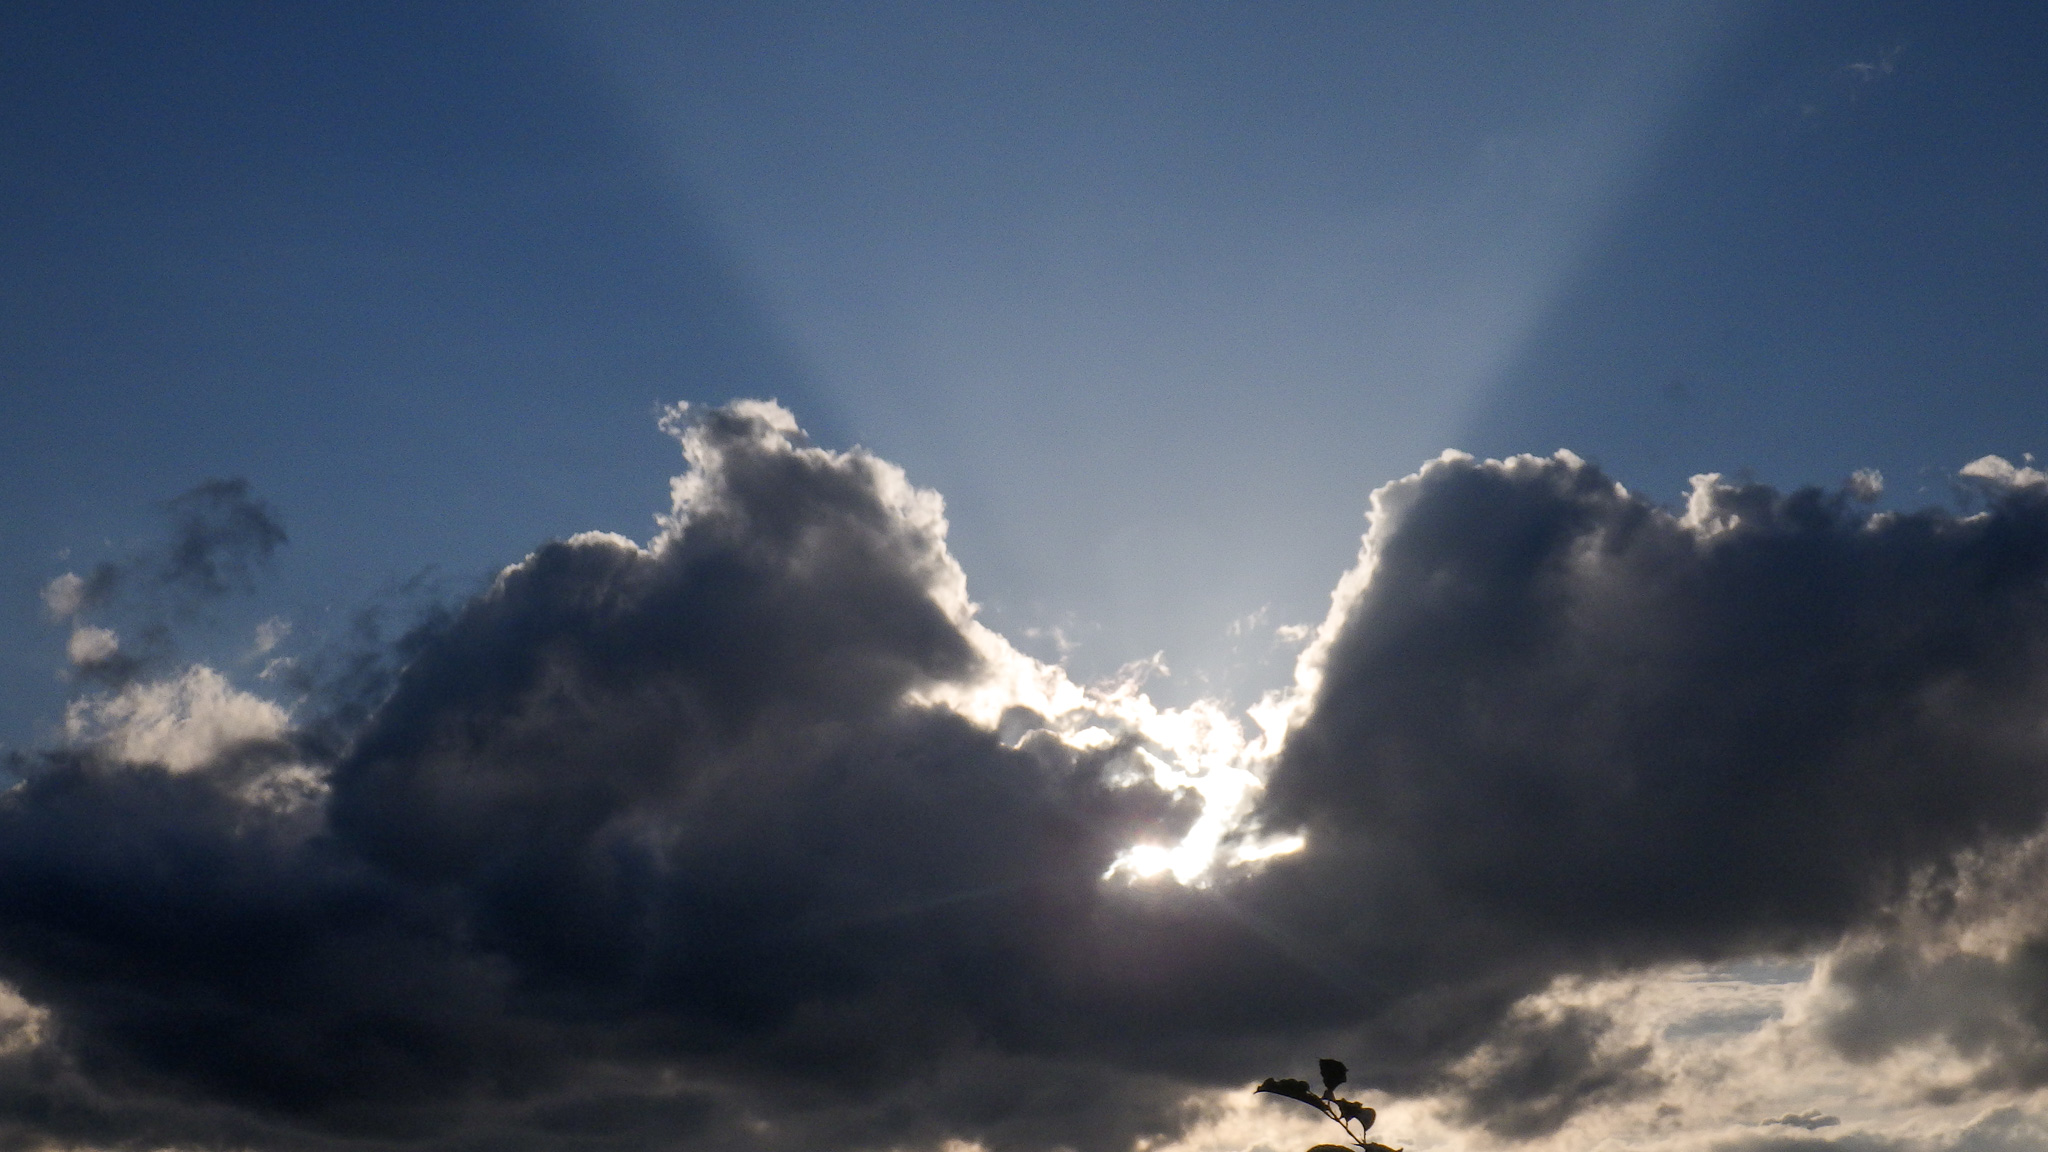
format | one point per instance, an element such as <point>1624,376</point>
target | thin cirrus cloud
<point>753,837</point>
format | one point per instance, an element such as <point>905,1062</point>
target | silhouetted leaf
<point>1293,1090</point>
<point>1341,1112</point>
<point>1353,1110</point>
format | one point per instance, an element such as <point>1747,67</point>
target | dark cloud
<point>655,846</point>
<point>1962,962</point>
<point>645,845</point>
<point>1563,730</point>
<point>218,537</point>
<point>1989,1008</point>
<point>1812,1120</point>
<point>1539,1070</point>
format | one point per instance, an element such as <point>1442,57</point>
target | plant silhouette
<point>1344,1113</point>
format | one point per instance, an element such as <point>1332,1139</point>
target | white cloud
<point>271,633</point>
<point>180,723</point>
<point>22,1025</point>
<point>64,596</point>
<point>2000,473</point>
<point>89,645</point>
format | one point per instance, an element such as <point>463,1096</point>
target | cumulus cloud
<point>64,596</point>
<point>91,646</point>
<point>2000,473</point>
<point>648,843</point>
<point>182,723</point>
<point>751,836</point>
<point>1551,727</point>
<point>1557,725</point>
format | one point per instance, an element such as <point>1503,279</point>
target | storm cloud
<point>1560,722</point>
<point>640,832</point>
<point>698,843</point>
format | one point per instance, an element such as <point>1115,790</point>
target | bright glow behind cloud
<point>1066,287</point>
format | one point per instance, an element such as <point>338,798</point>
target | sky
<point>913,576</point>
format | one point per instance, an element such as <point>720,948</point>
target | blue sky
<point>1155,295</point>
<point>424,278</point>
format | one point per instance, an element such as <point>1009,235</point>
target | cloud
<point>220,536</point>
<point>2001,474</point>
<point>64,596</point>
<point>269,634</point>
<point>182,724</point>
<point>2007,1129</point>
<point>1538,1070</point>
<point>1854,1142</point>
<point>1961,965</point>
<point>645,840</point>
<point>1811,1120</point>
<point>89,646</point>
<point>753,837</point>
<point>1570,715</point>
<point>1554,728</point>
